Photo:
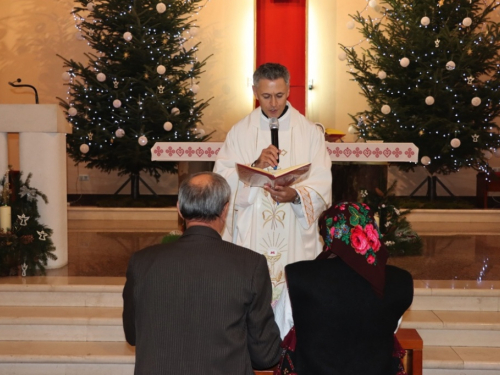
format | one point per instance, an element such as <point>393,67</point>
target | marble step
<point>62,358</point>
<point>105,358</point>
<point>452,360</point>
<point>54,323</point>
<point>457,328</point>
<point>456,295</point>
<point>62,291</point>
<point>437,328</point>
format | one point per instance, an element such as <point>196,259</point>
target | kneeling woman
<point>347,303</point>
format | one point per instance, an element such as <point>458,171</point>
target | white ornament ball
<point>90,6</point>
<point>372,3</point>
<point>143,141</point>
<point>117,103</point>
<point>405,61</point>
<point>72,111</point>
<point>476,101</point>
<point>161,8</point>
<point>120,133</point>
<point>193,31</point>
<point>450,65</point>
<point>467,21</point>
<point>487,154</point>
<point>127,36</point>
<point>455,142</point>
<point>425,21</point>
<point>66,76</point>
<point>161,69</point>
<point>201,132</point>
<point>101,77</point>
<point>342,56</point>
<point>386,109</point>
<point>382,74</point>
<point>84,148</point>
<point>425,160</point>
<point>79,36</point>
<point>352,130</point>
<point>195,89</point>
<point>175,111</point>
<point>350,25</point>
<point>429,100</point>
<point>167,126</point>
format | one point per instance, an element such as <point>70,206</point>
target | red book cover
<point>283,177</point>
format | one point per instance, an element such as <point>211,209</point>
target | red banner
<point>281,38</point>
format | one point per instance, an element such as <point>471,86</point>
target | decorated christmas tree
<point>27,245</point>
<point>430,72</point>
<point>138,87</point>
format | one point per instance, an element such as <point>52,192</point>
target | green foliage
<point>396,231</point>
<point>133,76</point>
<point>172,236</point>
<point>400,34</point>
<point>29,241</point>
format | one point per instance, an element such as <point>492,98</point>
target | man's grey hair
<point>206,201</point>
<point>271,71</point>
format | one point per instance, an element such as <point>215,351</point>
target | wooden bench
<point>410,340</point>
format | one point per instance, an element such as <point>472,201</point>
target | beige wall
<point>32,32</point>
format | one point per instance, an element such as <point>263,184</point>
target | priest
<point>278,222</point>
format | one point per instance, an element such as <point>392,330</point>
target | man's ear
<point>225,211</point>
<point>254,89</point>
<point>179,211</point>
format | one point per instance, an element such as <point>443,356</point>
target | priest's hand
<point>282,194</point>
<point>268,158</point>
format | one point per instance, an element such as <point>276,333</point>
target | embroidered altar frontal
<point>354,152</point>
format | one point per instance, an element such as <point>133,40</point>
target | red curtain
<point>281,38</point>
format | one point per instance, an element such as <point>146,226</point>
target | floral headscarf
<point>350,231</point>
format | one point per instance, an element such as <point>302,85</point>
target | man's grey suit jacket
<point>200,305</point>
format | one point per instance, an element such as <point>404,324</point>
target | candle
<point>5,218</point>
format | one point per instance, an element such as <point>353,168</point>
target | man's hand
<point>281,194</point>
<point>268,158</point>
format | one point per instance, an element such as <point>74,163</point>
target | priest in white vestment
<point>279,222</point>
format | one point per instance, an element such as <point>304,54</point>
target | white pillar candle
<point>5,218</point>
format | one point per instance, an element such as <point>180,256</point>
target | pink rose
<point>370,259</point>
<point>372,236</point>
<point>332,232</point>
<point>359,241</point>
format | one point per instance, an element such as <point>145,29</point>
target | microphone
<point>274,125</point>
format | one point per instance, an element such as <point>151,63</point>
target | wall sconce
<point>310,85</point>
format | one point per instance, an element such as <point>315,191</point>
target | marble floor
<point>463,257</point>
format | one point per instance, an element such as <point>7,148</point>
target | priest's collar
<point>282,114</point>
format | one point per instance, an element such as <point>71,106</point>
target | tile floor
<point>465,257</point>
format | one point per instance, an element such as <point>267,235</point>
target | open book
<point>254,176</point>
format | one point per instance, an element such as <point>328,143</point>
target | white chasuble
<point>284,233</point>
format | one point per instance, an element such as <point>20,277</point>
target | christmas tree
<point>28,244</point>
<point>138,88</point>
<point>430,75</point>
